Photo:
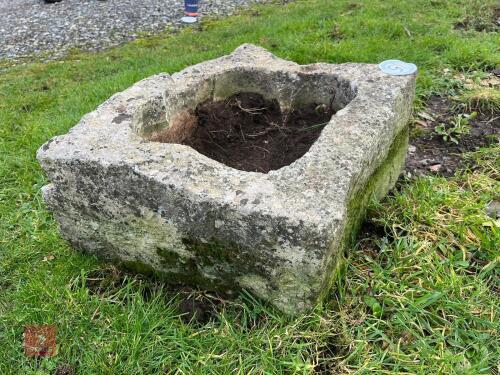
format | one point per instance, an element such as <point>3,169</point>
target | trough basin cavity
<point>244,172</point>
<point>250,133</point>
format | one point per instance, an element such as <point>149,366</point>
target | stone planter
<point>164,208</point>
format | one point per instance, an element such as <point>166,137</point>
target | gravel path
<point>32,27</point>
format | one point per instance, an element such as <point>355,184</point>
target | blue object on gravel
<point>191,8</point>
<point>190,11</point>
<point>397,67</point>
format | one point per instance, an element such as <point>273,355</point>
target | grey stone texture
<point>165,209</point>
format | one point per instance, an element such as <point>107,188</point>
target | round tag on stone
<point>397,67</point>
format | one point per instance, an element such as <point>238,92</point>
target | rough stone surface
<point>163,208</point>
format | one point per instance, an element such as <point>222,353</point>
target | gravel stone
<point>33,28</point>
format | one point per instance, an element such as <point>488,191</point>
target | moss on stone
<point>380,182</point>
<point>168,257</point>
<point>206,257</point>
<point>213,250</point>
<point>139,267</point>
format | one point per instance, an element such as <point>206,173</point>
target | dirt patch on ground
<point>428,153</point>
<point>195,306</point>
<point>486,19</point>
<point>64,369</point>
<point>104,280</point>
<point>250,133</point>
<point>198,307</point>
<point>107,281</point>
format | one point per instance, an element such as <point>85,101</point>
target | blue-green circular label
<point>397,67</point>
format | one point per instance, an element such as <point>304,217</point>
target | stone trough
<point>127,185</point>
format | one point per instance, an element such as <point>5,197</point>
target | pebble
<point>435,168</point>
<point>493,209</point>
<point>33,28</point>
<point>426,162</point>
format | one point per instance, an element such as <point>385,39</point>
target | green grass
<point>483,100</point>
<point>422,296</point>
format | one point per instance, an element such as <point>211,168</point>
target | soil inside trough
<point>250,133</point>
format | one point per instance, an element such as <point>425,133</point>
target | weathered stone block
<point>164,208</point>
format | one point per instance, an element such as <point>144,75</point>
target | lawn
<point>420,289</point>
